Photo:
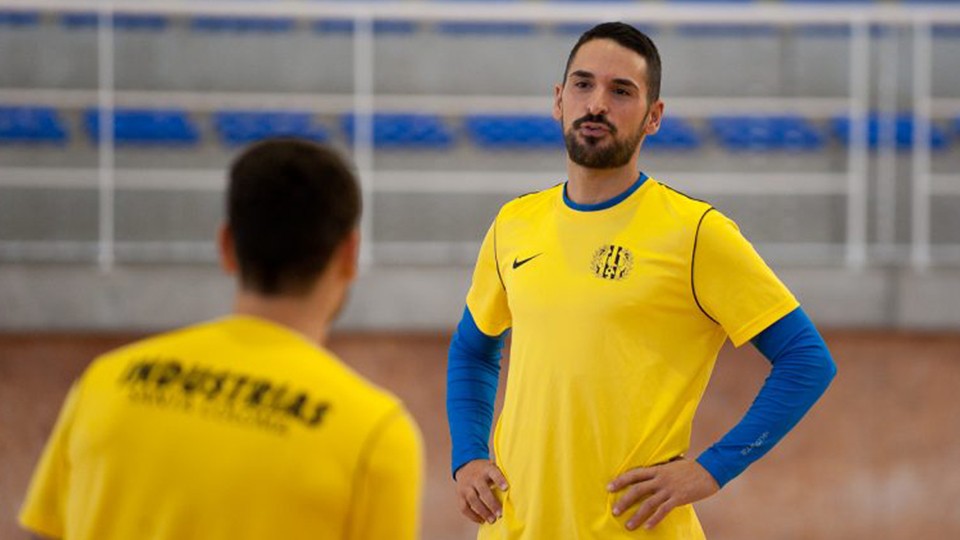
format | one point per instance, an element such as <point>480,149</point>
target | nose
<point>598,103</point>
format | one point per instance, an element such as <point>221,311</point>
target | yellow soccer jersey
<point>617,316</point>
<point>234,429</point>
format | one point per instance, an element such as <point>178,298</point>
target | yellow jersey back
<point>233,429</point>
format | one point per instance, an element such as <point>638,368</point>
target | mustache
<point>595,119</point>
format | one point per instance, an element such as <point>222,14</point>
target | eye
<point>622,92</point>
<point>581,84</point>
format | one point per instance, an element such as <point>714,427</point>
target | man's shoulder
<point>530,203</point>
<point>354,386</point>
<point>680,203</point>
<point>680,199</point>
<point>162,340</point>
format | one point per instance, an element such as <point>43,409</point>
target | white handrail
<point>922,73</point>
<point>857,148</point>
<point>106,192</point>
<point>363,108</point>
<point>710,13</point>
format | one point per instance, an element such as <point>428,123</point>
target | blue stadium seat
<point>766,133</point>
<point>674,134</point>
<point>904,132</point>
<point>380,26</point>
<point>269,25</point>
<point>578,28</point>
<point>404,130</point>
<point>19,19</point>
<point>458,28</point>
<point>86,20</point>
<point>514,132</point>
<point>243,127</point>
<point>31,125</point>
<point>146,127</point>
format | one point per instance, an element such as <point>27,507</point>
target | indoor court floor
<point>877,457</point>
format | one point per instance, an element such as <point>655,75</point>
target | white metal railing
<point>918,19</point>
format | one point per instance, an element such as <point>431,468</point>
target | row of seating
<point>268,25</point>
<point>150,127</point>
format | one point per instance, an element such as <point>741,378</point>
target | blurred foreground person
<point>245,426</point>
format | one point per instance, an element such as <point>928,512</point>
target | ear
<point>557,102</point>
<point>348,256</point>
<point>655,117</point>
<point>228,253</point>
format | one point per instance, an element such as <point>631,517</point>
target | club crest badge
<point>612,262</point>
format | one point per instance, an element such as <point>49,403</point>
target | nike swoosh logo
<point>518,263</point>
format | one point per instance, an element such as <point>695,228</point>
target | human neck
<point>309,315</point>
<point>592,186</point>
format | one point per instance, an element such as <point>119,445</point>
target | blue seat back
<point>513,131</point>
<point>146,127</point>
<point>404,130</point>
<point>28,124</point>
<point>243,127</point>
<point>903,132</point>
<point>756,133</point>
<point>676,134</point>
<point>270,25</point>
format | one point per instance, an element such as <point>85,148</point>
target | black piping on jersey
<point>689,197</point>
<point>363,463</point>
<point>693,258</point>
<point>496,256</point>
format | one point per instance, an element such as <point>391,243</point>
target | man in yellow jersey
<point>619,292</point>
<point>244,427</point>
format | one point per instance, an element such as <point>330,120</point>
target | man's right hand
<point>475,483</point>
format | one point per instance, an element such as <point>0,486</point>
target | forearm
<point>802,368</point>
<point>473,370</point>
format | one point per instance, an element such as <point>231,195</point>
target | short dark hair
<point>290,203</point>
<point>631,38</point>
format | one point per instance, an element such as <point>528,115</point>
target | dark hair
<point>290,203</point>
<point>631,38</point>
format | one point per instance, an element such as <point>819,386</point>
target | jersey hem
<point>27,523</point>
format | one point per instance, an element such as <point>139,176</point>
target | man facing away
<point>243,427</point>
<point>619,292</point>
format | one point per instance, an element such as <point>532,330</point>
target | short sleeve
<point>390,482</point>
<point>731,282</point>
<point>487,298</point>
<point>44,509</point>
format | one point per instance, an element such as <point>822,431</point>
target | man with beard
<point>619,292</point>
<point>244,427</point>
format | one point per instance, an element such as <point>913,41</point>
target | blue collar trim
<point>609,203</point>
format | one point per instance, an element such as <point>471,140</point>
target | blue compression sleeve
<point>473,370</point>
<point>802,370</point>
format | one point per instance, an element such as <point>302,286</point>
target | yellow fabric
<point>610,352</point>
<point>234,429</point>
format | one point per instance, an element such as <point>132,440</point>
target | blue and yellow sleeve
<point>473,371</point>
<point>473,366</point>
<point>802,369</point>
<point>732,284</point>
<point>487,297</point>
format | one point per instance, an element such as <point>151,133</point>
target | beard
<point>592,155</point>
